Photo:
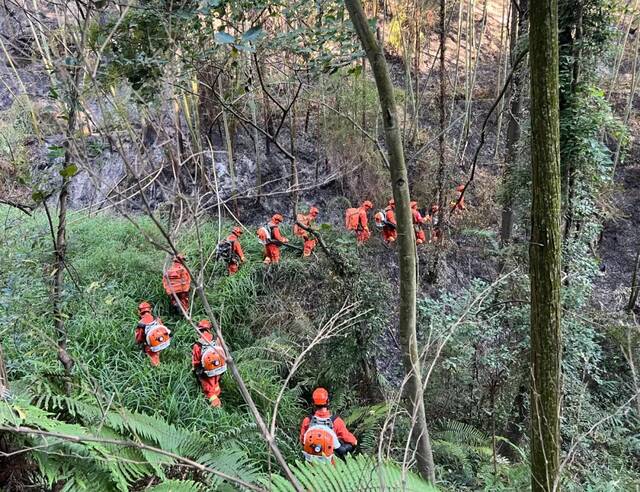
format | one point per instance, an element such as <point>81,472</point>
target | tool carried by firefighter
<point>273,240</point>
<point>177,282</point>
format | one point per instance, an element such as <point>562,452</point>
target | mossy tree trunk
<point>406,241</point>
<point>545,247</point>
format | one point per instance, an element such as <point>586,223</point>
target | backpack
<point>157,336</point>
<point>264,234</point>
<point>320,440</point>
<point>380,219</point>
<point>352,219</point>
<point>213,361</point>
<point>224,251</point>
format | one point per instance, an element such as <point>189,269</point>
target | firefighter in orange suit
<point>209,363</point>
<point>177,280</point>
<point>307,221</point>
<point>151,335</point>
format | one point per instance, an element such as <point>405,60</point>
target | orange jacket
<point>237,248</point>
<point>306,221</point>
<point>177,279</point>
<point>146,319</point>
<point>390,215</point>
<point>339,427</point>
<point>417,217</point>
<point>275,233</point>
<point>362,218</point>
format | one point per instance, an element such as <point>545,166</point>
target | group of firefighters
<point>322,434</point>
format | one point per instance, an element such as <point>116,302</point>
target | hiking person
<point>356,220</point>
<point>230,251</point>
<point>150,334</point>
<point>208,362</point>
<point>272,238</point>
<point>323,434</point>
<point>177,280</point>
<point>390,227</point>
<point>418,223</point>
<point>458,205</point>
<point>306,221</point>
<point>431,219</point>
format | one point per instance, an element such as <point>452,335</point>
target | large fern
<point>356,474</point>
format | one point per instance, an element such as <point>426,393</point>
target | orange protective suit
<point>272,247</point>
<point>363,233</point>
<point>459,207</point>
<point>234,239</point>
<point>418,222</point>
<point>210,385</point>
<point>177,280</point>
<point>339,427</point>
<point>389,233</point>
<point>307,238</point>
<point>146,318</point>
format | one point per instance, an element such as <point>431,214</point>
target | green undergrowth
<point>268,316</point>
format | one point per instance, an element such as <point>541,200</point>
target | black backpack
<point>224,251</point>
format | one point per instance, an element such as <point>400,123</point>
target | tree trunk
<point>229,146</point>
<point>513,124</point>
<point>633,297</point>
<point>406,243</point>
<point>545,247</point>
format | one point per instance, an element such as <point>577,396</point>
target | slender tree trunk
<point>432,274</point>
<point>513,124</point>
<point>545,248</point>
<point>406,243</point>
<point>229,145</point>
<point>633,297</point>
<point>294,183</point>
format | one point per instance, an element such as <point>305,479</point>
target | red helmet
<point>277,218</point>
<point>320,397</point>
<point>144,307</point>
<point>313,211</point>
<point>392,203</point>
<point>204,324</point>
<point>237,231</point>
<point>367,204</point>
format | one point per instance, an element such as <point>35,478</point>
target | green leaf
<point>56,151</point>
<point>69,171</point>
<point>37,196</point>
<point>222,37</point>
<point>252,34</point>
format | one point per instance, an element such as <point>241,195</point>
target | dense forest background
<point>131,130</point>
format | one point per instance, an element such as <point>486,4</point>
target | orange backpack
<point>352,219</point>
<point>320,441</point>
<point>177,280</point>
<point>157,336</point>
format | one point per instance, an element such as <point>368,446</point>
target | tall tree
<point>545,247</point>
<point>406,242</point>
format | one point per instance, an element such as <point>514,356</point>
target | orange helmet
<point>144,307</point>
<point>414,204</point>
<point>313,211</point>
<point>367,204</point>
<point>318,442</point>
<point>204,324</point>
<point>237,231</point>
<point>392,203</point>
<point>277,218</point>
<point>460,187</point>
<point>320,397</point>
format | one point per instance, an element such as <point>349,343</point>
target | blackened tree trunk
<point>545,247</point>
<point>406,241</point>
